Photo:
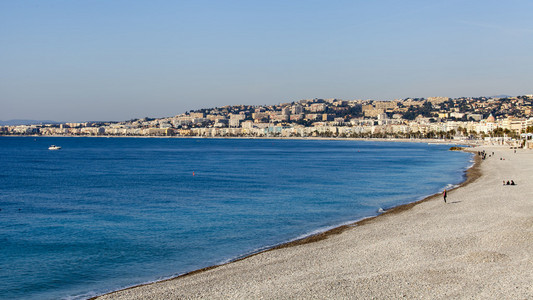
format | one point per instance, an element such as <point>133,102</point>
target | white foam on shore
<point>87,295</point>
<point>300,237</point>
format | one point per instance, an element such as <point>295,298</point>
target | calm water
<point>106,213</point>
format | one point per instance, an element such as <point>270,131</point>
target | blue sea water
<point>106,213</point>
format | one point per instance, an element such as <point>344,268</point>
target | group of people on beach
<point>509,182</point>
<point>483,154</point>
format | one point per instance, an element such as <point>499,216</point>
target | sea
<point>103,214</point>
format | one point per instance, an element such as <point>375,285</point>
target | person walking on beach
<point>444,194</point>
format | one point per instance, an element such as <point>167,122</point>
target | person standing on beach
<point>444,194</point>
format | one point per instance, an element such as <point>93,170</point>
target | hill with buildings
<point>433,117</point>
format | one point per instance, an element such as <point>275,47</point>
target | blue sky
<point>118,60</point>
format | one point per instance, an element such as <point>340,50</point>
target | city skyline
<point>90,61</point>
<point>461,118</point>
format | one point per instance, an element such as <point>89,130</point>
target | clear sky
<point>117,60</point>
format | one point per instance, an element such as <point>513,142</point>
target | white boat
<point>54,147</point>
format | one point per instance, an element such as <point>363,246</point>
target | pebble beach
<point>478,245</point>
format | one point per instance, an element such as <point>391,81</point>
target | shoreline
<point>472,173</point>
<point>478,245</point>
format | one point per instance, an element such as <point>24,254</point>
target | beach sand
<point>478,245</point>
